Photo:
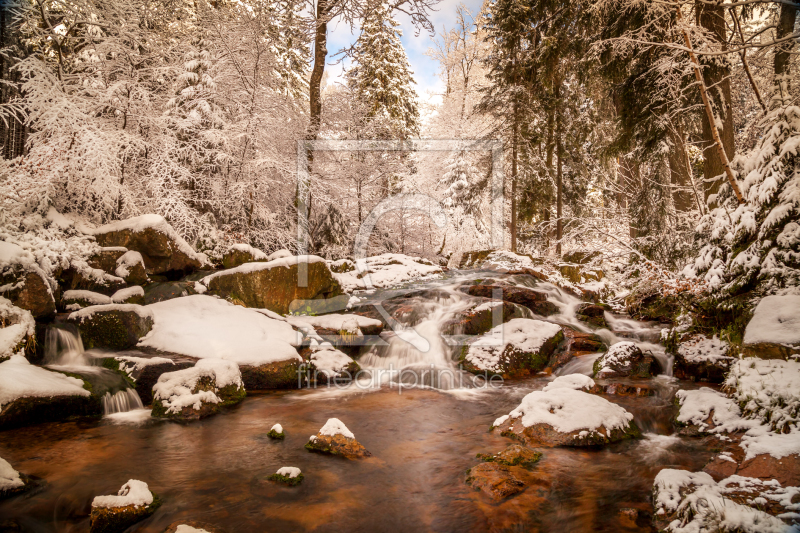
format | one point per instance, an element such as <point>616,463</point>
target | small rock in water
<point>495,480</point>
<point>335,439</point>
<point>11,481</point>
<point>192,527</point>
<point>288,475</point>
<point>514,455</point>
<point>133,503</point>
<point>625,359</point>
<point>592,314</point>
<point>276,432</point>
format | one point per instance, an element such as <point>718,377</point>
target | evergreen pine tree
<point>381,75</point>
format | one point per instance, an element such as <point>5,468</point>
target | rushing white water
<point>121,402</point>
<point>63,347</point>
<point>64,352</point>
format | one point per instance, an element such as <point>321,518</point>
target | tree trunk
<point>315,83</point>
<point>783,53</point>
<point>716,76</point>
<point>629,179</point>
<point>514,183</point>
<point>679,173</point>
<point>549,164</point>
<point>559,177</point>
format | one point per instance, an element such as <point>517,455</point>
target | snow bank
<point>696,406</point>
<point>330,361</point>
<point>505,261</point>
<point>57,219</point>
<point>12,254</point>
<point>19,324</point>
<point>9,478</point>
<point>523,334</point>
<point>127,261</point>
<point>133,492</point>
<point>279,254</point>
<point>289,471</point>
<point>571,381</point>
<point>334,427</point>
<point>568,410</point>
<point>699,504</point>
<point>20,379</point>
<point>699,349</point>
<point>151,221</point>
<point>123,295</point>
<point>776,319</point>
<point>175,389</point>
<point>247,268</point>
<point>386,270</point>
<point>769,389</point>
<point>203,326</point>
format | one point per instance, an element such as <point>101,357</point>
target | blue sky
<point>425,69</point>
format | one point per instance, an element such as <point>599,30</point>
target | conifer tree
<point>382,77</point>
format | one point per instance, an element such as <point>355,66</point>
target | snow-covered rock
<point>78,299</point>
<point>331,363</point>
<point>145,371</point>
<point>625,359</point>
<point>707,411</point>
<point>17,328</point>
<point>702,358</point>
<point>24,282</point>
<point>534,300</point>
<point>131,295</point>
<point>288,475</point>
<point>774,330</point>
<point>113,514</point>
<point>768,390</point>
<point>279,254</point>
<point>566,417</point>
<point>276,432</point>
<point>335,439</point>
<point>337,324</point>
<point>30,394</point>
<point>199,391</point>
<point>275,285</point>
<point>383,271</point>
<point>240,253</point>
<point>11,481</point>
<point>572,381</point>
<point>112,326</point>
<point>160,246</point>
<point>130,267</point>
<point>516,348</point>
<point>202,326</point>
<point>689,502</point>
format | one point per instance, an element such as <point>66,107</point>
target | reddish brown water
<point>423,441</point>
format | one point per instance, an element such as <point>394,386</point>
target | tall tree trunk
<point>320,55</point>
<point>679,173</point>
<point>783,52</point>
<point>629,179</point>
<point>514,182</point>
<point>716,76</point>
<point>559,180</point>
<point>549,164</point>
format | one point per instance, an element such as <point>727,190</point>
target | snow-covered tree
<point>381,75</point>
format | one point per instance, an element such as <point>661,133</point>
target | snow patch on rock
<point>20,379</point>
<point>334,427</point>
<point>134,492</point>
<point>9,478</point>
<point>571,381</point>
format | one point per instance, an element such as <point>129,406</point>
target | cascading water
<point>64,351</point>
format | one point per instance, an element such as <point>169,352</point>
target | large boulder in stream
<point>563,416</point>
<point>335,439</point>
<point>31,395</point>
<point>112,326</point>
<point>702,358</point>
<point>518,348</point>
<point>625,359</point>
<point>162,249</point>
<point>274,285</point>
<point>480,319</point>
<point>274,375</point>
<point>592,314</point>
<point>144,371</point>
<point>576,344</point>
<point>23,282</point>
<point>114,514</point>
<point>199,391</point>
<point>536,301</point>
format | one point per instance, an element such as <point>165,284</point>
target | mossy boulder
<point>495,480</point>
<point>106,258</point>
<point>144,371</point>
<point>269,376</point>
<point>131,268</point>
<point>513,455</point>
<point>198,392</point>
<point>28,289</point>
<point>114,326</point>
<point>239,254</point>
<point>592,314</point>
<point>536,301</point>
<point>115,514</point>
<point>275,285</point>
<point>524,348</point>
<point>288,476</point>
<point>163,250</point>
<point>575,344</point>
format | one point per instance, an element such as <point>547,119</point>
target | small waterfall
<point>63,347</point>
<point>121,402</point>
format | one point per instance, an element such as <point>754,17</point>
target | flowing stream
<point>423,427</point>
